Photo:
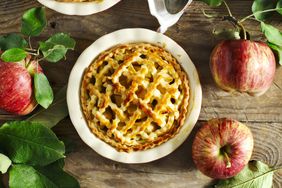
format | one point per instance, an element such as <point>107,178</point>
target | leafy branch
<point>30,152</point>
<point>261,11</point>
<point>18,48</point>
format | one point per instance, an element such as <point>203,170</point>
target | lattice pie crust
<point>135,96</point>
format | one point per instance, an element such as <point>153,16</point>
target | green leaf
<point>57,111</point>
<point>26,176</point>
<point>272,34</point>
<point>33,21</point>
<point>278,50</point>
<point>62,39</point>
<point>70,144</point>
<point>30,143</point>
<point>12,40</point>
<point>255,174</point>
<point>213,3</point>
<point>260,5</point>
<point>56,47</point>
<point>58,176</point>
<point>5,163</point>
<point>279,5</point>
<point>42,89</point>
<point>52,53</point>
<point>13,55</point>
<point>51,176</point>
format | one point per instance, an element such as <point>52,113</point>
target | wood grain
<point>174,170</point>
<point>194,33</point>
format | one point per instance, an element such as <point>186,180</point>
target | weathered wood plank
<point>175,170</point>
<point>193,32</point>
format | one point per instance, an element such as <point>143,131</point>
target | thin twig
<point>30,49</point>
<point>35,54</point>
<point>42,58</point>
<point>29,42</point>
<point>259,12</point>
<point>208,15</point>
<point>228,9</point>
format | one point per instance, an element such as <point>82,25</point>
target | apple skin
<point>16,86</point>
<point>243,65</point>
<point>216,137</point>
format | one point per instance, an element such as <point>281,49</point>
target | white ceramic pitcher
<point>167,12</point>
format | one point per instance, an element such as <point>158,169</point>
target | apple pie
<point>135,96</point>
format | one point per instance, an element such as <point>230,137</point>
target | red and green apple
<point>222,147</point>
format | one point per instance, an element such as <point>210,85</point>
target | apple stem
<point>237,24</point>
<point>278,168</point>
<point>259,12</point>
<point>234,21</point>
<point>228,163</point>
<point>243,29</point>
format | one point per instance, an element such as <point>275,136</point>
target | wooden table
<point>193,32</point>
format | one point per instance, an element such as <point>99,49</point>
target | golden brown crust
<point>135,96</point>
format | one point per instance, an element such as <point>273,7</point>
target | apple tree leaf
<point>51,176</point>
<point>62,39</point>
<point>30,143</point>
<point>213,3</point>
<point>272,34</point>
<point>57,111</point>
<point>43,91</point>
<point>260,5</point>
<point>278,50</point>
<point>52,53</point>
<point>13,55</point>
<point>33,21</point>
<point>5,163</point>
<point>56,47</point>
<point>12,40</point>
<point>255,174</point>
<point>26,176</point>
<point>58,176</point>
<point>279,6</point>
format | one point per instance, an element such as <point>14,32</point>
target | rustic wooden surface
<point>193,32</point>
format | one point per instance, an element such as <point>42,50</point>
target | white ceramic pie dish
<point>121,37</point>
<point>78,8</point>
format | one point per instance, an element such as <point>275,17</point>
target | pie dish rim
<point>105,42</point>
<point>78,8</point>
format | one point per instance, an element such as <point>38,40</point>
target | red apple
<point>16,86</point>
<point>222,147</point>
<point>243,65</point>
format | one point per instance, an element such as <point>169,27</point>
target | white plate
<point>82,8</point>
<point>121,37</point>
